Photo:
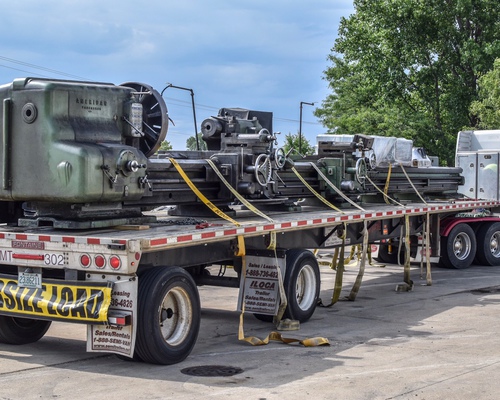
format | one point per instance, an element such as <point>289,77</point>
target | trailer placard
<point>112,338</point>
<point>259,290</point>
<point>68,301</point>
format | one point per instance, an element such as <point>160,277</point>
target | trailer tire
<point>14,330</point>
<point>302,284</point>
<point>458,249</point>
<point>135,357</point>
<point>391,258</point>
<point>488,244</point>
<point>168,315</point>
<point>264,317</point>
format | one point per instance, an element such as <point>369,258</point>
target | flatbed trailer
<point>135,286</point>
<point>80,171</point>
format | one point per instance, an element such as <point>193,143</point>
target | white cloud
<point>269,55</point>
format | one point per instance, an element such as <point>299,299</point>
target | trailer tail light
<point>100,261</point>
<point>119,319</point>
<point>85,260</point>
<point>115,262</point>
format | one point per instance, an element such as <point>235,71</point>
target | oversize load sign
<point>69,301</point>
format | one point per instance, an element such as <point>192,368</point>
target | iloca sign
<point>259,290</point>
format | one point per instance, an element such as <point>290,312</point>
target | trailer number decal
<point>68,301</point>
<point>53,259</point>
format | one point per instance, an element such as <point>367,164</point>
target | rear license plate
<point>29,280</point>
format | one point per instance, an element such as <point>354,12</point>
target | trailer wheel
<point>458,249</point>
<point>168,315</point>
<point>14,330</point>
<point>391,257</point>
<point>302,284</point>
<point>488,244</point>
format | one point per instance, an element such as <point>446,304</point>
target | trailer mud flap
<point>70,301</point>
<point>119,335</point>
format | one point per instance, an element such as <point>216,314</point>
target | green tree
<point>165,145</point>
<point>191,143</point>
<point>409,68</point>
<point>292,142</point>
<point>487,108</point>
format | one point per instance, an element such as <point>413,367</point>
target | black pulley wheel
<point>154,117</point>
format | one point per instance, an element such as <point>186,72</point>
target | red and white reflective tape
<point>253,228</point>
<point>316,222</point>
<point>60,239</point>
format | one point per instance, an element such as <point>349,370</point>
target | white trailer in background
<point>478,154</point>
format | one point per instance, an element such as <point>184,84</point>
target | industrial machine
<point>83,154</point>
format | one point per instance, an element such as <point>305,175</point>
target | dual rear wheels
<point>464,245</point>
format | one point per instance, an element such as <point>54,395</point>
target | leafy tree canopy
<point>292,142</point>
<point>191,143</point>
<point>165,145</point>
<point>410,68</point>
<point>487,108</point>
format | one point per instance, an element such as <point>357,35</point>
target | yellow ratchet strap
<point>200,195</point>
<point>427,250</point>
<point>283,299</point>
<point>335,188</point>
<point>386,187</point>
<point>339,270</point>
<point>325,201</point>
<point>245,202</point>
<point>276,336</point>
<point>333,264</point>
<point>406,270</point>
<point>412,185</point>
<point>362,263</point>
<point>351,255</point>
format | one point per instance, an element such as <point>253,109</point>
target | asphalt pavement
<point>434,342</point>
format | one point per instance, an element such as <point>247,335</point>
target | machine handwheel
<point>154,117</point>
<point>361,171</point>
<point>279,157</point>
<point>263,169</point>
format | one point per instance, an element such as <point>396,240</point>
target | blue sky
<point>266,55</point>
